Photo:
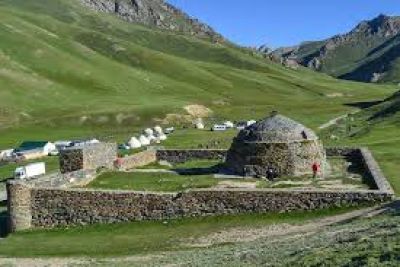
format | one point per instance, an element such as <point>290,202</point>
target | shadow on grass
<point>358,168</point>
<point>364,105</point>
<point>3,219</point>
<point>198,171</point>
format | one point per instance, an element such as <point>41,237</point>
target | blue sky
<point>284,22</point>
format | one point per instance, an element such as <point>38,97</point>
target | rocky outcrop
<point>154,13</point>
<point>363,54</point>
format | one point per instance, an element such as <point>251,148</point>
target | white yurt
<point>199,125</point>
<point>144,140</point>
<point>162,137</point>
<point>93,141</point>
<point>158,130</point>
<point>148,132</point>
<point>152,138</point>
<point>134,143</point>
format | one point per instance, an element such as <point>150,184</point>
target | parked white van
<point>30,171</point>
<point>218,128</point>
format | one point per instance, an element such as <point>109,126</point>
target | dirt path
<point>335,120</point>
<point>275,232</point>
<point>279,231</point>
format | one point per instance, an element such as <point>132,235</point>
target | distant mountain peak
<point>382,24</point>
<point>370,52</point>
<point>155,13</point>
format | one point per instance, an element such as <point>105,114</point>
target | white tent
<point>162,137</point>
<point>93,141</point>
<point>199,126</point>
<point>134,143</point>
<point>158,130</point>
<point>144,140</point>
<point>152,138</point>
<point>49,147</point>
<point>148,132</point>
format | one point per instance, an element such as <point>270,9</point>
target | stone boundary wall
<point>32,205</point>
<point>19,206</point>
<point>137,160</point>
<point>365,157</point>
<point>59,207</point>
<point>375,171</point>
<point>184,155</point>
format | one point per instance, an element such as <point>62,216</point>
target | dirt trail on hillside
<point>233,235</point>
<point>335,120</point>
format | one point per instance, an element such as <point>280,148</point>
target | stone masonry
<point>184,155</point>
<point>55,207</point>
<point>33,205</point>
<point>278,143</point>
<point>89,157</point>
<point>137,160</point>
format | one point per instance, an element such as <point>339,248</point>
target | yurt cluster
<point>149,136</point>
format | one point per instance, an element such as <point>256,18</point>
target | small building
<point>35,149</point>
<point>278,143</point>
<point>88,157</point>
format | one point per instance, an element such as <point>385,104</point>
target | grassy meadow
<point>68,73</point>
<point>140,238</point>
<point>153,182</point>
<point>80,74</point>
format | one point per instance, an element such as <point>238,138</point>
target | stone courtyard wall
<point>185,155</point>
<point>33,205</point>
<point>88,157</point>
<point>137,160</point>
<point>71,160</point>
<point>101,155</point>
<point>57,207</point>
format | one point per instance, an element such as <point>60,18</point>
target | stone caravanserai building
<point>278,143</point>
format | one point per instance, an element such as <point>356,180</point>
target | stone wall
<point>88,157</point>
<point>19,206</point>
<point>71,160</point>
<point>55,207</point>
<point>137,160</point>
<point>375,171</point>
<point>182,156</point>
<point>101,155</point>
<point>364,157</point>
<point>32,204</point>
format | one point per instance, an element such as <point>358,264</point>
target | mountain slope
<point>154,13</point>
<point>69,72</point>
<point>368,53</point>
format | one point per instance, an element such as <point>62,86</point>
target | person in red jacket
<point>315,169</point>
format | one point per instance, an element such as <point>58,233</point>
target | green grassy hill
<point>68,72</point>
<point>377,126</point>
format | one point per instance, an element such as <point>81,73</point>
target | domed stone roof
<point>276,129</point>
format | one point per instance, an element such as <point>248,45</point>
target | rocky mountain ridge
<point>353,55</point>
<point>155,13</point>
